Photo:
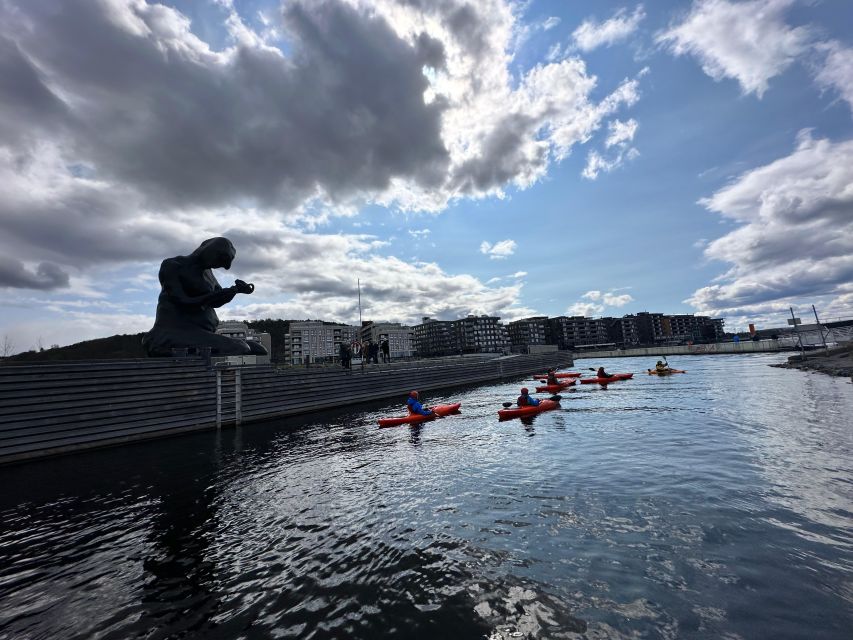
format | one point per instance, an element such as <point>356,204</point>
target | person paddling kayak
<point>660,367</point>
<point>552,376</point>
<point>526,400</point>
<point>414,405</point>
<point>603,374</point>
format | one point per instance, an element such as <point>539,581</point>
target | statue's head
<point>215,253</point>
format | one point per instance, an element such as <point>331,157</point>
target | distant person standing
<point>373,352</point>
<point>346,356</point>
<point>386,351</point>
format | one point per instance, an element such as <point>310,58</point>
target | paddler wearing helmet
<point>526,400</point>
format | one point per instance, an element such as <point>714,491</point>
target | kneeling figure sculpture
<point>185,309</point>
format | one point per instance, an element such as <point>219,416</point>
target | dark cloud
<point>153,108</point>
<point>47,276</point>
<point>505,156</point>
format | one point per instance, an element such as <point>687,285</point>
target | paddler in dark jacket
<point>415,406</point>
<point>603,374</point>
<point>526,400</point>
<point>552,377</point>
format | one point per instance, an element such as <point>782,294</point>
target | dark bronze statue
<point>185,309</point>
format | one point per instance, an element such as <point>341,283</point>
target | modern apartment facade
<point>242,331</point>
<point>527,332</point>
<point>400,337</point>
<point>570,332</point>
<point>315,341</point>
<point>472,334</point>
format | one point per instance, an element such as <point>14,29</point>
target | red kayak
<point>519,412</point>
<point>553,388</point>
<point>613,378</point>
<point>562,375</point>
<point>415,418</point>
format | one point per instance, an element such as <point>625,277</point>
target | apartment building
<point>472,334</point>
<point>401,339</point>
<point>316,341</point>
<point>569,332</point>
<point>481,334</point>
<point>434,338</point>
<point>658,328</point>
<point>242,331</point>
<point>526,332</point>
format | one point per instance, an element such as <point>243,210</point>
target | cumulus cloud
<point>592,34</point>
<point>594,302</point>
<point>124,132</point>
<point>499,250</point>
<point>419,234</point>
<point>748,41</point>
<point>795,233</point>
<point>616,300</point>
<point>587,309</point>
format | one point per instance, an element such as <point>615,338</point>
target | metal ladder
<point>229,391</point>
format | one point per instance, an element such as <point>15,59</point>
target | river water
<point>715,504</point>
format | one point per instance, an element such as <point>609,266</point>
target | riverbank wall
<point>61,407</point>
<point>752,346</point>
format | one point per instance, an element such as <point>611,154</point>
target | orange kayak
<point>554,388</point>
<point>561,375</point>
<point>415,418</point>
<point>615,377</point>
<point>519,412</point>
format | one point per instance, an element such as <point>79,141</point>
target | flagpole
<point>358,280</point>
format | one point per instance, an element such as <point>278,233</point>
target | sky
<point>454,157</point>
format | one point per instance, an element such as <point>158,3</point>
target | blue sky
<point>515,159</point>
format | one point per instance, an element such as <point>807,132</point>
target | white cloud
<point>419,233</point>
<point>616,300</point>
<point>519,274</point>
<point>594,302</point>
<point>748,41</point>
<point>596,163</point>
<point>587,309</point>
<point>591,34</point>
<point>499,250</point>
<point>620,135</point>
<point>837,70</point>
<point>795,233</point>
<point>550,23</point>
<point>620,132</point>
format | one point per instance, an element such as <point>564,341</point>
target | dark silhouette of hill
<point>112,348</point>
<point>130,346</point>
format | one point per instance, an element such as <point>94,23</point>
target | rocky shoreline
<point>835,362</point>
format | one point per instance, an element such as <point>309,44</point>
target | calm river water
<point>716,504</point>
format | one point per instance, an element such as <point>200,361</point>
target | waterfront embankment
<point>837,361</point>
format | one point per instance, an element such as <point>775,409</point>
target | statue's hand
<point>243,287</point>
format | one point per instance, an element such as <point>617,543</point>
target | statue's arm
<point>171,282</point>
